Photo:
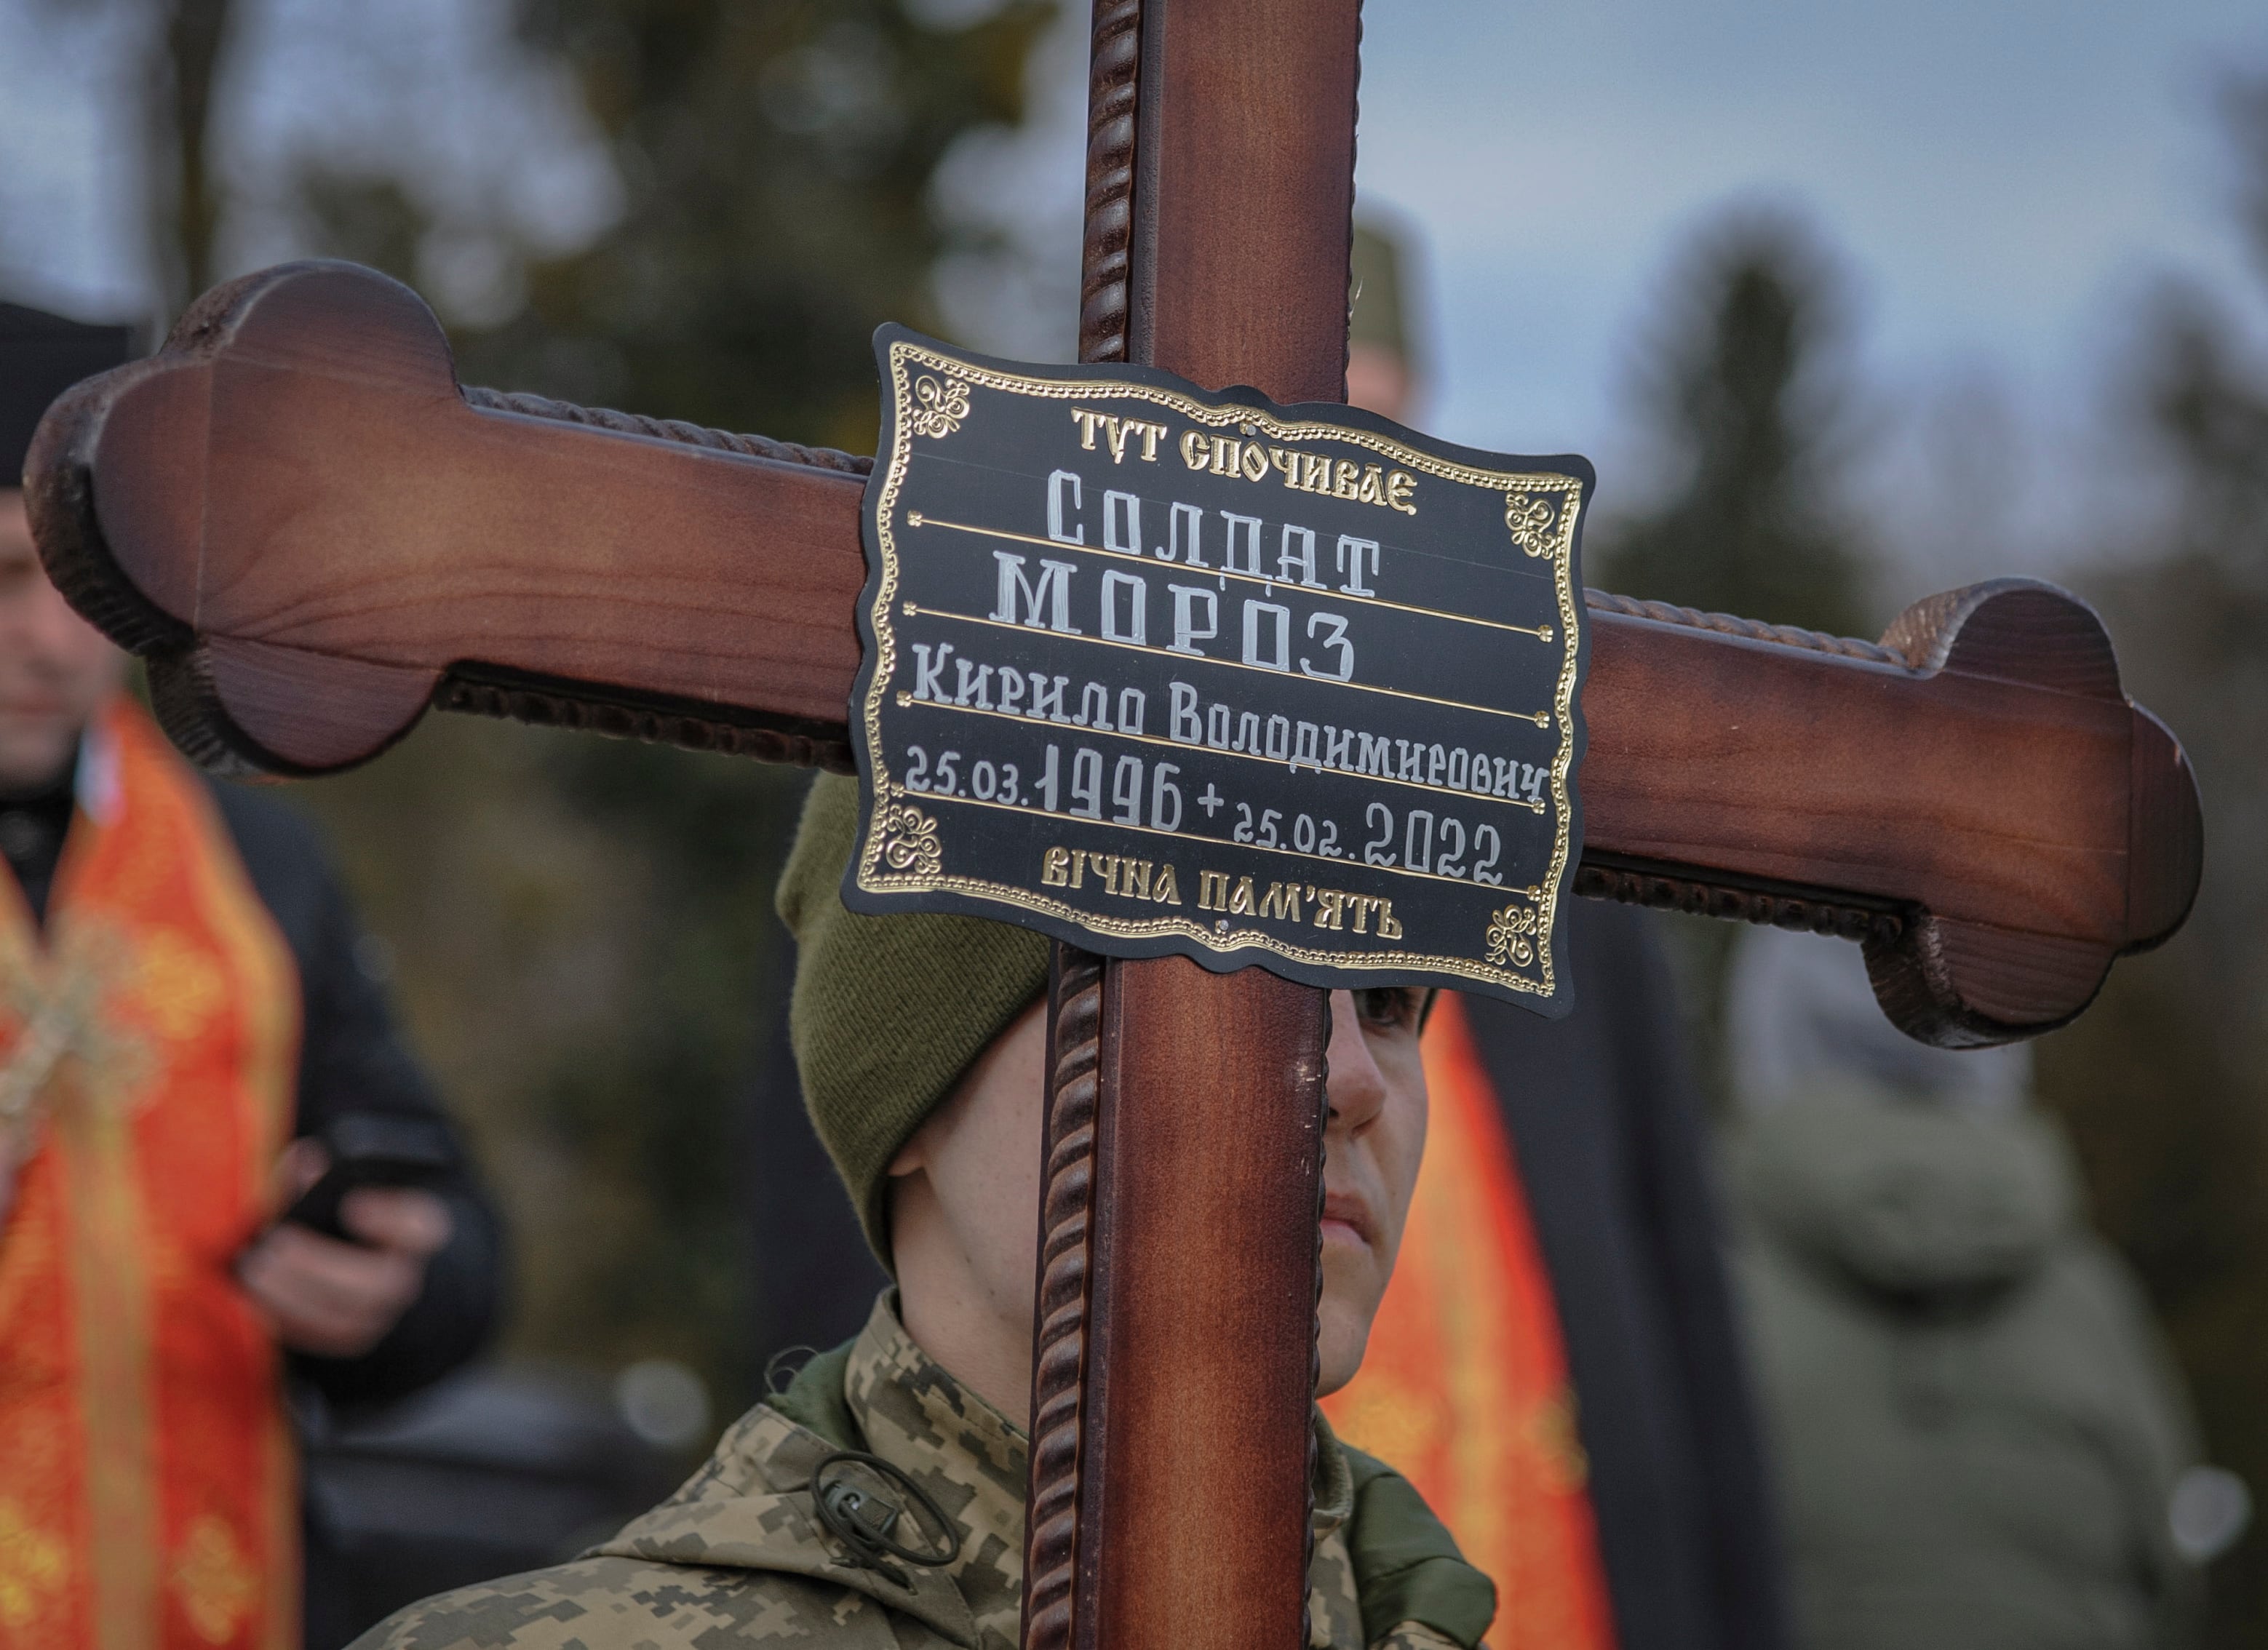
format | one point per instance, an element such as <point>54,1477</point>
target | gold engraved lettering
<point>1128,879</point>
<point>1356,464</point>
<point>1252,460</point>
<point>1283,901</point>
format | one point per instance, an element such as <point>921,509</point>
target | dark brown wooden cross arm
<point>296,516</point>
<point>310,532</point>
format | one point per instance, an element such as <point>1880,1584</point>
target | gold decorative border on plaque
<point>943,404</point>
<point>905,839</point>
<point>1541,512</point>
<point>1512,933</point>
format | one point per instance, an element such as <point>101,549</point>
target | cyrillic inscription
<point>1178,672</point>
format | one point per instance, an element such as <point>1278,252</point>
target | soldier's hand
<point>333,1298</point>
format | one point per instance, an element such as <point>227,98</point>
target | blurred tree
<point>185,41</point>
<point>777,159</point>
<point>1744,397</point>
<point>2164,1080</point>
<point>1742,387</point>
<point>363,217</point>
<point>194,31</point>
<point>583,928</point>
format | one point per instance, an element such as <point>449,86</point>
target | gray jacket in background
<point>1976,1426</point>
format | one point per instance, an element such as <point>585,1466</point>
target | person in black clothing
<point>1614,1155</point>
<point>411,1290</point>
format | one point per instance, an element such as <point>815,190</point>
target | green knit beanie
<point>1375,313</point>
<point>888,1011</point>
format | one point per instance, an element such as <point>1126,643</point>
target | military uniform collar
<point>750,1507</point>
<point>970,1457</point>
<point>917,1417</point>
<point>1334,1481</point>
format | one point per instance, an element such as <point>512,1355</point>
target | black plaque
<point>1155,670</point>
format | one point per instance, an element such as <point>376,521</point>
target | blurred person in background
<point>1979,1435</point>
<point>187,1007</point>
<point>1556,1365</point>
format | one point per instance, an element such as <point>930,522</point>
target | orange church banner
<point>147,1500</point>
<point>1464,1388</point>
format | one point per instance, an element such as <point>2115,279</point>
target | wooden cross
<point>312,534</point>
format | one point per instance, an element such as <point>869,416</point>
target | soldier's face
<point>1371,1151</point>
<point>965,1219</point>
<point>965,1195</point>
<point>55,668</point>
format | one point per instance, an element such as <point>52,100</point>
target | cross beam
<point>312,534</point>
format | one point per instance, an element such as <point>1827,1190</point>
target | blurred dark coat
<point>352,1058</point>
<point>1607,1122</point>
<point>1978,1431</point>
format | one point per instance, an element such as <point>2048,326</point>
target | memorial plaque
<point>1153,669</point>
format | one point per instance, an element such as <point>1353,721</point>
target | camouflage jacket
<point>740,1553</point>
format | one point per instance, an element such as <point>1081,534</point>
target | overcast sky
<point>2003,180</point>
<point>2003,183</point>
